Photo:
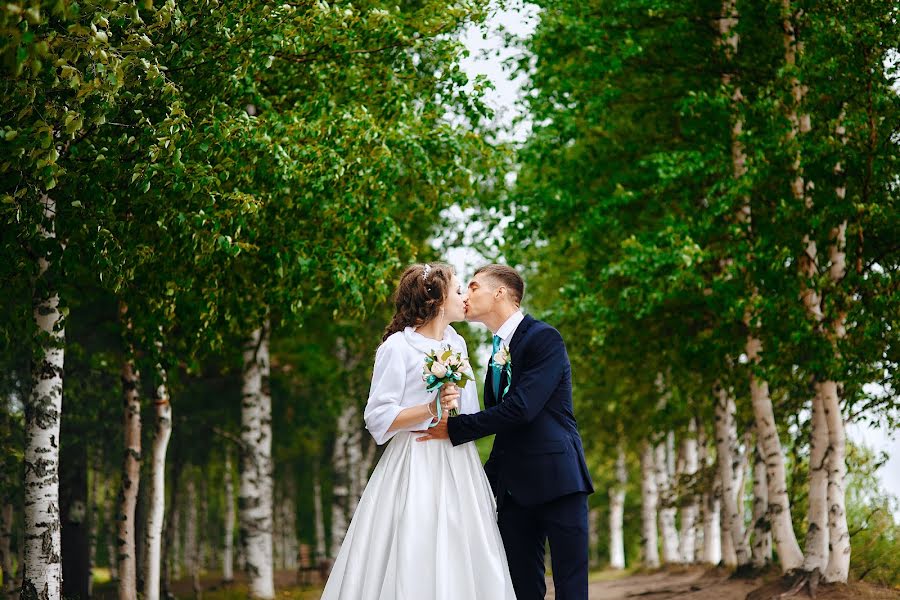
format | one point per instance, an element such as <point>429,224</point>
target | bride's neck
<point>433,329</point>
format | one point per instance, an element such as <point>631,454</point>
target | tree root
<point>791,584</point>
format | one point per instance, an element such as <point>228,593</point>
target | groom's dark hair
<point>507,277</point>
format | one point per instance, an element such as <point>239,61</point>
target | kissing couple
<point>432,523</point>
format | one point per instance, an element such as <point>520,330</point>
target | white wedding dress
<point>425,527</point>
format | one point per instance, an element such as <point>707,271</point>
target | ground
<point>689,583</point>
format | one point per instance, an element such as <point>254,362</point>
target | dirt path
<point>699,583</point>
<point>691,583</point>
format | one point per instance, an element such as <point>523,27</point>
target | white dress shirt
<point>508,329</point>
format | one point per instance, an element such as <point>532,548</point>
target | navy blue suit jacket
<point>537,455</point>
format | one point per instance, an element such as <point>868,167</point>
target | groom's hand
<point>438,432</point>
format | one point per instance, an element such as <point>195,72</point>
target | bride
<point>425,527</point>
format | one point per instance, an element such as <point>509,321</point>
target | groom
<point>536,468</point>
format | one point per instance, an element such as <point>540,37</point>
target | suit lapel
<point>526,324</point>
<point>517,337</point>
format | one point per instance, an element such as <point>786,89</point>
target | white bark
<point>789,554</point>
<point>42,574</point>
<point>255,505</point>
<point>728,463</point>
<point>6,559</point>
<point>157,500</point>
<point>204,548</point>
<point>667,507</point>
<point>839,562</point>
<point>368,460</point>
<point>690,509</point>
<point>762,536</point>
<point>838,568</point>
<point>191,541</point>
<point>712,530</point>
<point>710,550</point>
<point>816,548</point>
<point>321,552</point>
<point>228,545</point>
<point>131,472</point>
<point>343,479</point>
<point>649,504</point>
<point>176,549</point>
<point>111,533</point>
<point>354,464</point>
<point>617,513</point>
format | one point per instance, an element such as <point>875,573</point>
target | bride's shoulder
<point>393,341</point>
<point>455,338</point>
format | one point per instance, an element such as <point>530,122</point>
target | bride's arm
<point>384,415</point>
<point>414,415</point>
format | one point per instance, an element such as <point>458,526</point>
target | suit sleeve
<point>545,364</point>
<point>490,470</point>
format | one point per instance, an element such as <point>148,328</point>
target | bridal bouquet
<point>445,368</point>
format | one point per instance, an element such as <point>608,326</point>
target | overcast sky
<point>488,56</point>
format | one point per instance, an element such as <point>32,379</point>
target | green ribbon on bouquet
<point>433,384</point>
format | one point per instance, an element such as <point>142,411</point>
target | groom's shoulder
<point>541,329</point>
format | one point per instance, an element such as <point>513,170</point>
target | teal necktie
<point>495,369</point>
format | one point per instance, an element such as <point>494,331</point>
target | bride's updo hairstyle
<point>419,296</point>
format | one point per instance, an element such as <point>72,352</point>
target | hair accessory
<point>426,271</point>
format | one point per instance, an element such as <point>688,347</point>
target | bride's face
<point>455,303</point>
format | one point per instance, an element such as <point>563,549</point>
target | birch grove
<point>705,197</point>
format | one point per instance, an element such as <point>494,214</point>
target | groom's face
<point>480,300</point>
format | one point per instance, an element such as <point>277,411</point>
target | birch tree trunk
<point>649,504</point>
<point>617,513</point>
<point>762,536</point>
<point>816,547</point>
<point>6,559</point>
<point>111,534</point>
<point>342,490</point>
<point>228,546</point>
<point>131,473</point>
<point>255,499</point>
<point>827,437</point>
<point>278,539</point>
<point>321,552</point>
<point>839,535</point>
<point>667,508</point>
<point>690,509</point>
<point>157,501</point>
<point>354,462</point>
<point>366,466</point>
<point>176,549</point>
<point>712,531</point>
<point>204,548</point>
<point>728,464</point>
<point>42,573</point>
<point>191,543</point>
<point>711,547</point>
<point>789,554</point>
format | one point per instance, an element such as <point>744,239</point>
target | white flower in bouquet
<point>438,369</point>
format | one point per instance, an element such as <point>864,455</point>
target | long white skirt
<point>425,529</point>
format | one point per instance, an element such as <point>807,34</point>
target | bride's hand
<point>450,397</point>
